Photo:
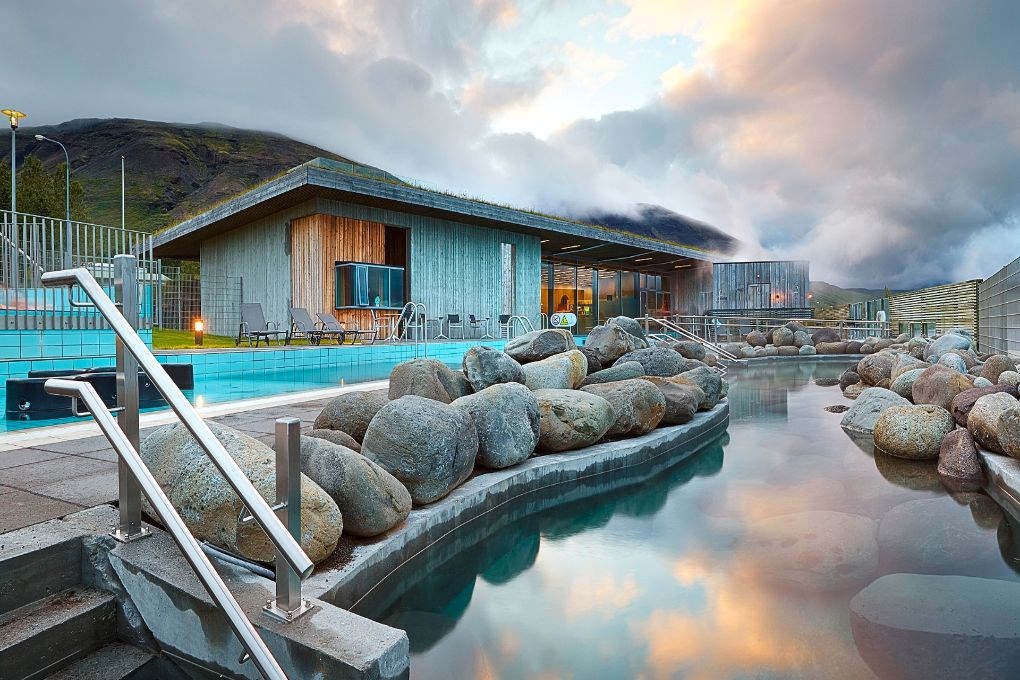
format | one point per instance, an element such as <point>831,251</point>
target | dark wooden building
<point>761,289</point>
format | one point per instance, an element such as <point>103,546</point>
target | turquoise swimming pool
<point>739,563</point>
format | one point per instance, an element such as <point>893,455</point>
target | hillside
<point>827,295</point>
<point>176,170</point>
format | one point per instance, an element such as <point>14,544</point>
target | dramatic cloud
<point>880,140</point>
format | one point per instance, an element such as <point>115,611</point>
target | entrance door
<point>759,296</point>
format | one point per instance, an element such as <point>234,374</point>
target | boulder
<point>690,365</point>
<point>944,343</point>
<point>835,347</point>
<point>506,420</point>
<point>855,390</point>
<point>782,337</point>
<point>748,352</point>
<point>938,385</point>
<point>913,432</point>
<point>429,446</point>
<point>996,365</point>
<point>706,380</point>
<point>959,467</point>
<point>921,626</point>
<point>630,325</point>
<point>594,365</point>
<point>797,327</point>
<point>370,499</point>
<point>789,351</point>
<point>682,400</point>
<point>953,361</point>
<point>904,384</point>
<point>983,419</point>
<point>968,356</point>
<point>610,342</point>
<point>869,405</point>
<point>768,350</point>
<point>559,372</point>
<point>621,370</point>
<point>812,551</point>
<point>915,347</point>
<point>807,351</point>
<point>877,367</point>
<point>571,419</point>
<point>1010,378</point>
<point>853,347</point>
<point>734,348</point>
<point>485,366</point>
<point>848,378</point>
<point>1009,432</point>
<point>540,344</point>
<point>711,360</point>
<point>427,378</point>
<point>982,382</point>
<point>904,363</point>
<point>802,339</point>
<point>351,412</point>
<point>824,335</point>
<point>756,339</point>
<point>656,361</point>
<point>209,506</point>
<point>866,348</point>
<point>338,437</point>
<point>639,406</point>
<point>964,401</point>
<point>690,349</point>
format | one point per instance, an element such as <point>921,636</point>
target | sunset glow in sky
<point>879,139</point>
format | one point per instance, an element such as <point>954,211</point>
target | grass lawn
<point>165,338</point>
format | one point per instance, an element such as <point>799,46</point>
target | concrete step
<point>35,565</point>
<point>49,634</point>
<point>116,661</point>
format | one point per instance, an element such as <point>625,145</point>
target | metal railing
<point>670,327</point>
<point>415,316</point>
<point>293,565</point>
<point>524,322</point>
<point>734,328</point>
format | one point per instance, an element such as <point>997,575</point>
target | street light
<point>67,199</point>
<point>13,115</point>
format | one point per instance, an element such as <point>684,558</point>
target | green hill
<point>827,295</point>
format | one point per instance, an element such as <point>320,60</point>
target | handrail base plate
<point>287,615</point>
<point>124,537</point>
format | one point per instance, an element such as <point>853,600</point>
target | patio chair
<point>477,324</point>
<point>303,326</point>
<point>330,324</point>
<point>385,325</point>
<point>504,326</point>
<point>454,321</point>
<point>254,325</point>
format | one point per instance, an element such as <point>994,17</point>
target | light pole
<point>67,199</point>
<point>13,116</point>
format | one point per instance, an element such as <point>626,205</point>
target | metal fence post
<point>289,604</point>
<point>125,287</point>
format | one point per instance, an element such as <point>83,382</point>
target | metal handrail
<point>164,509</point>
<point>670,326</point>
<point>523,320</point>
<point>414,308</point>
<point>287,545</point>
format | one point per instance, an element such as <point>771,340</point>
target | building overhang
<point>307,182</point>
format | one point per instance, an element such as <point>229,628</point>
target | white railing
<point>734,328</point>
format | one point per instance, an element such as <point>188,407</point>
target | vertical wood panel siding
<point>781,286</point>
<point>691,288</point>
<point>951,305</point>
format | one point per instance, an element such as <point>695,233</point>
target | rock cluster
<point>795,339</point>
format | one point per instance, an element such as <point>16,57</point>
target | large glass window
<point>608,293</point>
<point>564,285</point>
<point>629,304</point>
<point>369,285</point>
<point>585,301</point>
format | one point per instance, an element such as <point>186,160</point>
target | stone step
<point>47,635</point>
<point>35,565</point>
<point>116,661</point>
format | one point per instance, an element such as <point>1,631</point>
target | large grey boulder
<point>789,351</point>
<point>903,385</point>
<point>639,406</point>
<point>824,335</point>
<point>802,339</point>
<point>571,419</point>
<point>959,467</point>
<point>1011,378</point>
<point>964,401</point>
<point>944,343</point>
<point>807,351</point>
<point>630,325</point>
<point>921,626</point>
<point>705,379</point>
<point>506,419</point>
<point>847,378</point>
<point>690,365</point>
<point>915,347</point>
<point>621,370</point>
<point>564,371</point>
<point>837,347</point>
<point>370,499</point>
<point>756,339</point>
<point>877,367</point>
<point>210,507</point>
<point>659,361</point>
<point>485,366</point>
<point>913,432</point>
<point>351,412</point>
<point>689,349</point>
<point>540,344</point>
<point>429,446</point>
<point>812,551</point>
<point>1009,432</point>
<point>594,365</point>
<point>610,342</point>
<point>868,406</point>
<point>338,437</point>
<point>953,361</point>
<point>428,378</point>
<point>682,400</point>
<point>983,419</point>
<point>939,385</point>
<point>904,363</point>
<point>995,365</point>
<point>782,337</point>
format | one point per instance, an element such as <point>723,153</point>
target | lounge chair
<point>331,325</point>
<point>303,326</point>
<point>254,325</point>
<point>385,325</point>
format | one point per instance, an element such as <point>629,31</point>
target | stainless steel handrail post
<point>125,286</point>
<point>164,509</point>
<point>288,604</point>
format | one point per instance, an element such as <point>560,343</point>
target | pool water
<point>674,577</point>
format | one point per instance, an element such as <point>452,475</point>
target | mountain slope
<point>661,223</point>
<point>827,295</point>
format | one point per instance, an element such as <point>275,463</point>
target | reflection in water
<point>740,565</point>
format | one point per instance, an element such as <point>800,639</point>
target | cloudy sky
<point>879,139</point>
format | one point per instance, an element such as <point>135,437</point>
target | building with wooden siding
<point>318,236</point>
<point>926,311</point>
<point>762,289</point>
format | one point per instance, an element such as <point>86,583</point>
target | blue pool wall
<point>52,349</point>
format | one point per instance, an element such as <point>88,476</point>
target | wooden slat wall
<point>691,288</point>
<point>789,279</point>
<point>318,242</point>
<point>954,304</point>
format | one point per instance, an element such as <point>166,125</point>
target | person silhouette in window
<point>564,305</point>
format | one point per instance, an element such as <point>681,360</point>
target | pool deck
<point>49,472</point>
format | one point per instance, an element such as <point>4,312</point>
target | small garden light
<point>199,331</point>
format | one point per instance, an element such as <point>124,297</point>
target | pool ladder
<point>281,521</point>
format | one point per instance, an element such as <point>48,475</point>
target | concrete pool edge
<point>372,562</point>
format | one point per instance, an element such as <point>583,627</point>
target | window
<point>360,284</point>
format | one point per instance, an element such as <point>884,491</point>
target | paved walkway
<point>49,472</point>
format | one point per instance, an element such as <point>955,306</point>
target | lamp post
<point>14,116</point>
<point>67,199</point>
